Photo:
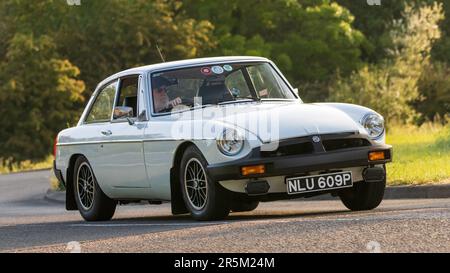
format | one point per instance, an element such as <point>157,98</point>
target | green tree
<point>39,95</point>
<point>105,36</point>
<point>434,86</point>
<point>392,86</point>
<point>441,49</point>
<point>309,40</point>
<point>49,52</point>
<point>375,22</point>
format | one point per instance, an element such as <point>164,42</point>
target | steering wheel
<point>184,101</point>
<point>187,101</point>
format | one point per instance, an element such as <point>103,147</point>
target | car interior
<point>131,101</point>
<point>214,92</point>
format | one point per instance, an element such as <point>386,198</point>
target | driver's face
<point>160,98</point>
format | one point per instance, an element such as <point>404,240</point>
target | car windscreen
<point>182,89</point>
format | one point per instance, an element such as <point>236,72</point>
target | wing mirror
<point>124,112</point>
<point>296,91</point>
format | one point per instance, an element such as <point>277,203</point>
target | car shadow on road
<point>61,232</point>
<point>22,236</point>
<point>241,216</point>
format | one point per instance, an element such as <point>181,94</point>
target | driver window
<point>128,93</point>
<point>173,94</point>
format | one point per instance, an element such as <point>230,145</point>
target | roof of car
<point>181,63</point>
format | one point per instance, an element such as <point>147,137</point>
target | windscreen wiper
<point>236,101</point>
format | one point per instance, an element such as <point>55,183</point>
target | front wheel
<point>363,195</point>
<point>203,197</point>
<point>92,203</point>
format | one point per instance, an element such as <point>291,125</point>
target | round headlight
<point>374,124</point>
<point>230,142</point>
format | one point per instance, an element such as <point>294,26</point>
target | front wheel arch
<point>216,201</point>
<point>177,203</point>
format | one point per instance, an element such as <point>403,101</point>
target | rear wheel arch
<point>70,199</point>
<point>91,201</point>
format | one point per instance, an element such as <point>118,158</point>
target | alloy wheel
<point>85,186</point>
<point>195,184</point>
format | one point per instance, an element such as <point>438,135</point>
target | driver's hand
<point>175,102</point>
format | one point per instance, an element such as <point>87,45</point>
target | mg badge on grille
<point>316,139</point>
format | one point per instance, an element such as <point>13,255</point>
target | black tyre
<point>242,205</point>
<point>363,195</point>
<point>92,203</point>
<point>203,197</point>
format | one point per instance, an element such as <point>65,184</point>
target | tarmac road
<point>29,223</point>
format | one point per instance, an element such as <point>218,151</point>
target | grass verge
<point>55,185</point>
<point>421,155</point>
<point>27,166</point>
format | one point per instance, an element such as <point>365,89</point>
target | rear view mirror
<point>121,112</point>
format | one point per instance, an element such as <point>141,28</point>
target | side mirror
<point>296,91</point>
<point>121,112</point>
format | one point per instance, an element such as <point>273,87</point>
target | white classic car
<point>215,135</point>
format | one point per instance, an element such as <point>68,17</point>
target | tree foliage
<point>375,22</point>
<point>433,102</point>
<point>50,51</point>
<point>309,40</point>
<point>392,86</point>
<point>39,95</point>
<point>52,55</point>
<point>105,36</point>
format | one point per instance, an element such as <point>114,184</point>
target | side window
<point>128,93</point>
<point>102,109</point>
<point>236,83</point>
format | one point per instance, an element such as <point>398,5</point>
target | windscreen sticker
<point>217,69</point>
<point>263,93</point>
<point>227,67</point>
<point>206,71</point>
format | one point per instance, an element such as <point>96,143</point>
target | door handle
<point>107,133</point>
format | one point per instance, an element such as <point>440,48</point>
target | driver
<point>161,100</point>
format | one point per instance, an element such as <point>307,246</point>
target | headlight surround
<point>230,142</point>
<point>374,125</point>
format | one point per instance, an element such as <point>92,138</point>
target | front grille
<point>305,146</point>
<point>337,144</point>
<point>292,149</point>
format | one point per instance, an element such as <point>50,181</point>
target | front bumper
<point>299,164</point>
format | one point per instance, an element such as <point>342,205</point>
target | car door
<point>124,166</point>
<point>93,133</point>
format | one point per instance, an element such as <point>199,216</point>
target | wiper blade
<point>236,101</point>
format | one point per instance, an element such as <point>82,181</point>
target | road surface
<point>30,223</point>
